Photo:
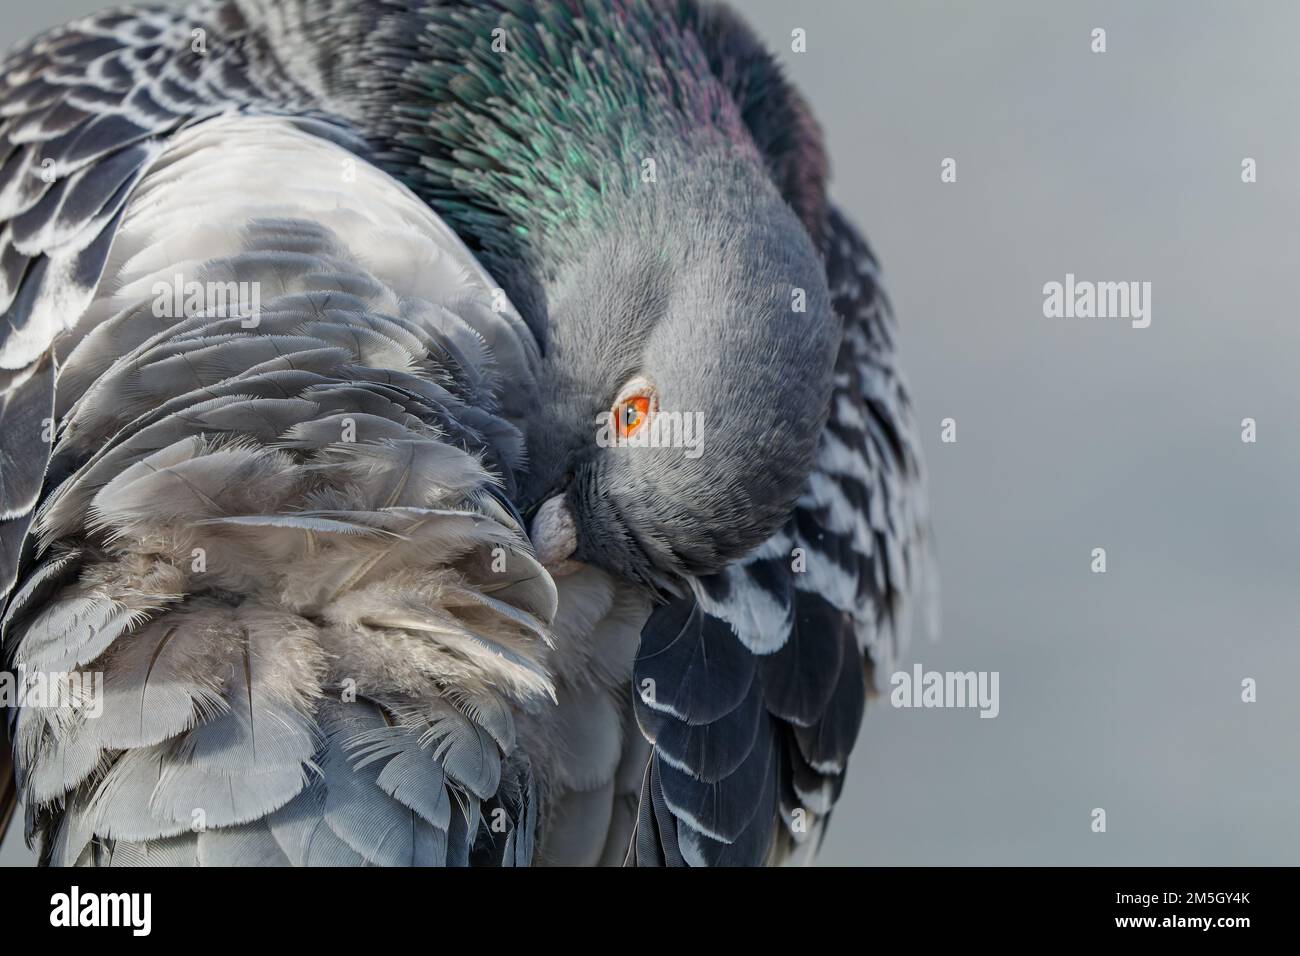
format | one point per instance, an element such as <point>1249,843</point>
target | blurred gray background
<point>1121,690</point>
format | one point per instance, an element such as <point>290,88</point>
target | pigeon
<point>438,433</point>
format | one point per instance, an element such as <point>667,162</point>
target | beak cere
<point>555,537</point>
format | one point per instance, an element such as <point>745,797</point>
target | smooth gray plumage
<point>295,547</point>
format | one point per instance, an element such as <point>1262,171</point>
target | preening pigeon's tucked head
<point>686,376</point>
<point>607,177</point>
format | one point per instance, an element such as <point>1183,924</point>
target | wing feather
<point>276,545</point>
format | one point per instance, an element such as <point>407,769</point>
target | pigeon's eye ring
<point>630,415</point>
<point>636,403</point>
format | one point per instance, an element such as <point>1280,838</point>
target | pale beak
<point>555,537</point>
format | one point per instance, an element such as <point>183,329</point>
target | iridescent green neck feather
<point>528,125</point>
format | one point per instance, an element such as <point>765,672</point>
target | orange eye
<point>630,414</point>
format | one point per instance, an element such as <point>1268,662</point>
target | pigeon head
<point>630,210</point>
<point>686,374</point>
